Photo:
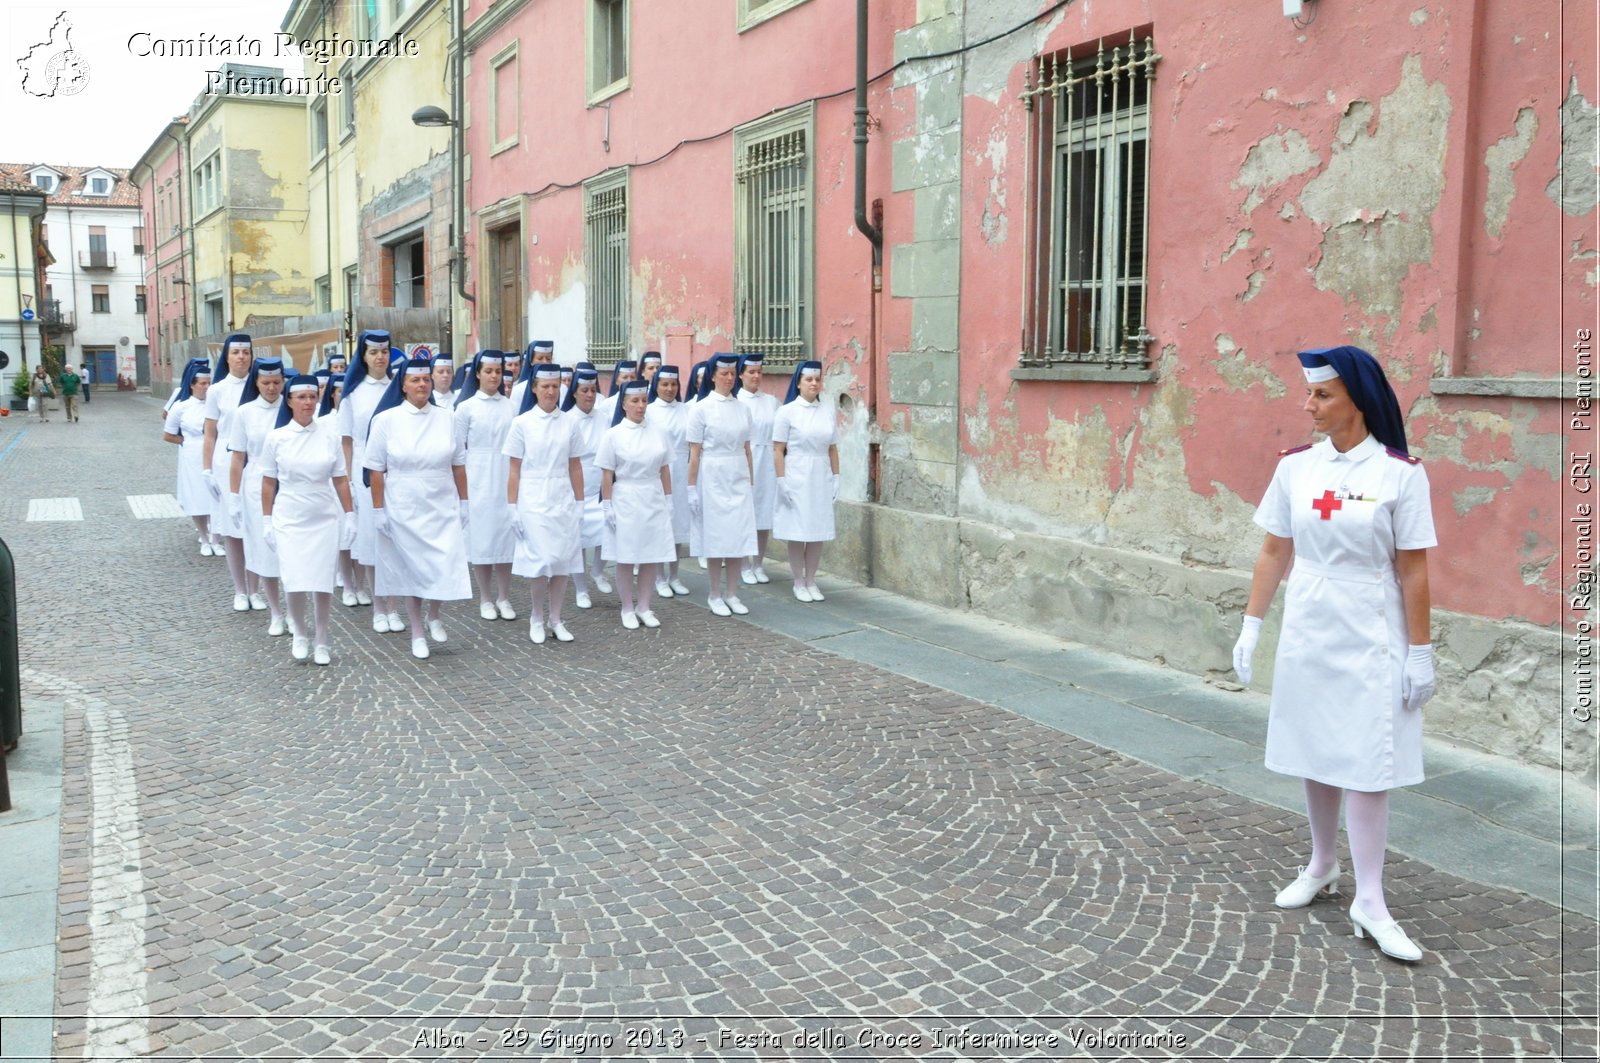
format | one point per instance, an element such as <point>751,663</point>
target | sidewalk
<point>30,840</point>
<point>1483,817</point>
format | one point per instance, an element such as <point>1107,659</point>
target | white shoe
<point>678,587</point>
<point>600,582</point>
<point>663,590</point>
<point>536,632</point>
<point>719,607</point>
<point>380,623</point>
<point>737,607</point>
<point>630,621</point>
<point>648,619</point>
<point>436,631</point>
<point>241,603</point>
<point>395,623</point>
<point>1304,889</point>
<point>419,649</point>
<point>363,598</point>
<point>1388,935</point>
<point>561,633</point>
<point>748,575</point>
<point>761,575</point>
<point>321,656</point>
<point>258,601</point>
<point>801,594</point>
<point>816,593</point>
<point>205,549</point>
<point>700,561</point>
<point>277,627</point>
<point>583,600</point>
<point>349,598</point>
<point>505,610</point>
<point>300,649</point>
<point>487,611</point>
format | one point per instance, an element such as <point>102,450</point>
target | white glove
<point>1245,648</point>
<point>465,514</point>
<point>610,513</point>
<point>380,522</point>
<point>1416,682</point>
<point>236,509</point>
<point>694,501</point>
<point>268,536</point>
<point>833,486</point>
<point>347,531</point>
<point>214,487</point>
<point>516,521</point>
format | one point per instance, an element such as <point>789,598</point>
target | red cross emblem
<point>1326,505</point>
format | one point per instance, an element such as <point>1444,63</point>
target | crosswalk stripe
<point>154,507</point>
<point>54,509</point>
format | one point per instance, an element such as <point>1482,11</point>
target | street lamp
<point>431,116</point>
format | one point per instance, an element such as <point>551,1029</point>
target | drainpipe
<point>16,273</point>
<point>458,169</point>
<point>870,227</point>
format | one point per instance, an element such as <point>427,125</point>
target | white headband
<point>1318,374</point>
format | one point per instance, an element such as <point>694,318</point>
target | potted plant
<point>19,392</point>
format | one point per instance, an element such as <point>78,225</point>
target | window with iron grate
<point>773,240</point>
<point>605,259</point>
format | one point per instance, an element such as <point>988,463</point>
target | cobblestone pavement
<point>709,840</point>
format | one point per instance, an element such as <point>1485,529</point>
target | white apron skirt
<point>592,524</point>
<point>258,556</point>
<point>364,550</point>
<point>679,467</point>
<point>766,485</point>
<point>425,554</point>
<point>489,537</point>
<point>644,525</point>
<point>810,520</point>
<point>727,524</point>
<point>550,521</point>
<point>221,466</point>
<point>194,497</point>
<point>306,525</point>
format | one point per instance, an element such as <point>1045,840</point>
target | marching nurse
<point>721,505</point>
<point>483,417</point>
<point>668,414</point>
<point>579,405</point>
<point>186,426</point>
<point>805,452</point>
<point>247,434</point>
<point>763,408</point>
<point>1355,659</point>
<point>222,403</point>
<point>636,485</point>
<point>545,500</point>
<point>364,387</point>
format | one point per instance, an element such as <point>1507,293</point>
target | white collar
<point>415,411</point>
<point>721,396</point>
<point>1358,453</point>
<point>298,427</point>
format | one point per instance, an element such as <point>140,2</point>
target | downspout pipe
<point>864,223</point>
<point>868,228</point>
<point>458,239</point>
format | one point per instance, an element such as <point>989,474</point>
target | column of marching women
<point>405,484</point>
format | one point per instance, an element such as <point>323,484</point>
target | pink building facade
<point>163,190</point>
<point>1106,230</point>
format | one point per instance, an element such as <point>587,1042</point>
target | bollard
<point>10,672</point>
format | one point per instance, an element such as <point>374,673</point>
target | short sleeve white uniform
<point>671,419</point>
<point>807,430</point>
<point>188,419</point>
<point>727,524</point>
<point>425,554</point>
<point>546,443</point>
<point>635,454</point>
<point>247,435</point>
<point>355,416</point>
<point>1336,713</point>
<point>306,509</point>
<point>482,422</point>
<point>763,411</point>
<point>222,402</point>
<point>589,429</point>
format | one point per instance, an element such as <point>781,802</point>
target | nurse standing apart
<point>578,404</point>
<point>186,426</point>
<point>545,498</point>
<point>763,408</point>
<point>418,476</point>
<point>247,434</point>
<point>636,485</point>
<point>805,452</point>
<point>364,387</point>
<point>483,417</point>
<point>222,402</point>
<point>667,414</point>
<point>721,505</point>
<point>1353,515</point>
<point>307,511</point>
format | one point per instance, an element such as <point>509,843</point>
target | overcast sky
<point>127,99</point>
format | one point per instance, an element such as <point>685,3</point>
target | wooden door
<point>508,285</point>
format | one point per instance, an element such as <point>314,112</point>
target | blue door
<point>105,368</point>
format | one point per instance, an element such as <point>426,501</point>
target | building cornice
<point>488,23</point>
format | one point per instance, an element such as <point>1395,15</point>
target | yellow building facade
<point>21,210</point>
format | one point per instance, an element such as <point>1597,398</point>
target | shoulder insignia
<point>1294,450</point>
<point>1409,459</point>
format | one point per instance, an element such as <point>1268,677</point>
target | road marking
<point>13,444</point>
<point>118,1008</point>
<point>154,507</point>
<point>54,509</point>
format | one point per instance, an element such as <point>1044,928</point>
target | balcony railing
<point>55,319</point>
<point>97,260</point>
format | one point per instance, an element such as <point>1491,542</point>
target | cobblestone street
<point>710,840</point>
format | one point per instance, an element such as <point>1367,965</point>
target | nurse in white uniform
<point>364,387</point>
<point>247,434</point>
<point>721,503</point>
<point>186,426</point>
<point>763,408</point>
<point>418,477</point>
<point>509,375</point>
<point>545,501</point>
<point>636,485</point>
<point>668,415</point>
<point>805,450</point>
<point>483,417</point>
<point>222,402</point>
<point>621,373</point>
<point>306,507</point>
<point>444,376</point>
<point>1352,514</point>
<point>578,403</point>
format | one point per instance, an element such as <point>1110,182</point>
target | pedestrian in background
<point>41,389</point>
<point>1355,660</point>
<point>186,426</point>
<point>805,452</point>
<point>87,380</point>
<point>70,382</point>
